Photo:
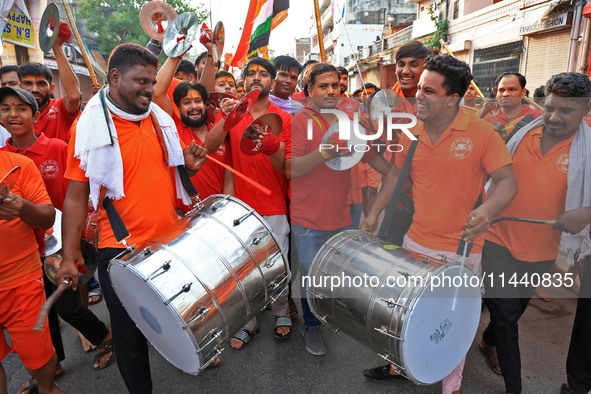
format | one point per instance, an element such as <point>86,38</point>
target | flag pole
<point>319,29</point>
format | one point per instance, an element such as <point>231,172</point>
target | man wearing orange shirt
<point>57,116</point>
<point>545,164</point>
<point>455,153</point>
<point>410,59</point>
<point>225,83</point>
<point>23,208</point>
<point>510,91</point>
<point>137,178</point>
<point>265,168</point>
<point>320,207</point>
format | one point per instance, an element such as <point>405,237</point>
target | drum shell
<point>90,230</point>
<point>364,313</point>
<point>234,270</point>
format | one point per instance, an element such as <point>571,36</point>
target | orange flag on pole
<point>262,17</point>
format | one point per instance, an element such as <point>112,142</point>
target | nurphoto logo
<point>360,141</point>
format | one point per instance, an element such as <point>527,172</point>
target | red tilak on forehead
<point>12,103</point>
<point>256,67</point>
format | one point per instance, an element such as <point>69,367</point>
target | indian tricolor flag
<point>263,16</point>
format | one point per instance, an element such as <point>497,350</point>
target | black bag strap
<point>387,221</point>
<point>522,122</point>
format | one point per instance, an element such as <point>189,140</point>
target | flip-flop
<point>106,347</point>
<point>31,388</point>
<point>244,336</point>
<point>282,321</point>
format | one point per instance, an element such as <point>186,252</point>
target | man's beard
<point>200,121</point>
<point>43,101</point>
<point>343,89</point>
<point>262,91</point>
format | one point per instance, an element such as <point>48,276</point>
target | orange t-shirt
<point>210,177</point>
<point>448,178</point>
<point>404,105</point>
<point>542,194</point>
<point>149,203</point>
<point>19,259</point>
<point>55,120</point>
<point>260,169</point>
<point>49,155</point>
<point>499,116</point>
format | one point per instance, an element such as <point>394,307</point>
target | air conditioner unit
<point>68,51</point>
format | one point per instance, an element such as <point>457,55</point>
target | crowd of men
<point>158,117</point>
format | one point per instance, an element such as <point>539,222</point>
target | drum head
<point>436,339</point>
<point>159,323</point>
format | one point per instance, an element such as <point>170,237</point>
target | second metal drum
<point>386,298</point>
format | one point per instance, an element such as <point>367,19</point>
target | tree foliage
<point>435,13</point>
<point>115,22</point>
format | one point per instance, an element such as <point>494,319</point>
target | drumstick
<point>241,175</point>
<point>49,303</point>
<point>524,220</point>
<point>453,306</point>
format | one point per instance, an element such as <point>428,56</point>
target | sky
<point>233,13</point>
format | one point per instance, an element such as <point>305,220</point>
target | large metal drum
<point>387,298</point>
<point>198,282</point>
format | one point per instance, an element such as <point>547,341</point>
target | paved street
<point>267,365</point>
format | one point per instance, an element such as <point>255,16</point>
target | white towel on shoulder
<point>100,157</point>
<point>578,185</point>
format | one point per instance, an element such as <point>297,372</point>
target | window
<point>491,62</point>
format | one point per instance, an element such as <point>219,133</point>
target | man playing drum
<point>553,148</point>
<point>123,147</point>
<point>319,205</point>
<point>455,153</point>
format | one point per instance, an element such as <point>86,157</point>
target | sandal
<point>293,309</point>
<point>244,336</point>
<point>31,387</point>
<point>107,348</point>
<point>95,296</point>
<point>282,321</point>
<point>490,352</point>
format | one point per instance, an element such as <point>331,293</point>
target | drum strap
<point>387,222</point>
<point>117,225</point>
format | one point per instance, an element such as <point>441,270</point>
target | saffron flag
<point>262,17</point>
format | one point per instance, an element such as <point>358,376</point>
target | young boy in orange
<point>49,156</point>
<point>23,208</point>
